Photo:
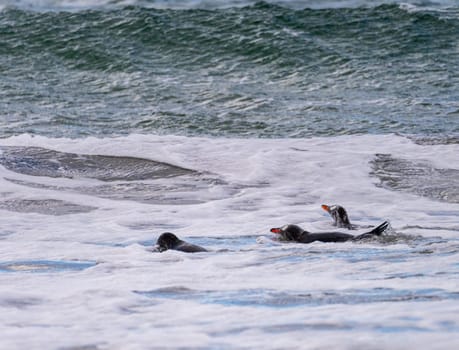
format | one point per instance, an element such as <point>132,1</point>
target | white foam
<point>282,181</point>
<point>287,179</point>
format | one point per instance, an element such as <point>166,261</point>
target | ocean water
<point>217,120</point>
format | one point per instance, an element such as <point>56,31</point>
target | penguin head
<point>289,232</point>
<point>338,214</point>
<point>166,241</point>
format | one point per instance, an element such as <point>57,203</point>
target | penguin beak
<point>276,230</point>
<point>326,208</point>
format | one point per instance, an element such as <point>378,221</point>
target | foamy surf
<point>249,290</point>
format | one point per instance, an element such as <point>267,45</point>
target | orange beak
<point>276,230</point>
<point>326,208</point>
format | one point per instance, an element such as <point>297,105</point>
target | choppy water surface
<point>44,266</point>
<point>264,69</point>
<point>217,120</point>
<point>79,223</point>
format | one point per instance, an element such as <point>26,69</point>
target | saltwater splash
<point>68,203</point>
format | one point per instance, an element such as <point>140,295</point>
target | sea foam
<point>249,290</point>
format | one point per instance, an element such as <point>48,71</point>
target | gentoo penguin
<point>168,240</point>
<point>339,216</point>
<point>296,234</point>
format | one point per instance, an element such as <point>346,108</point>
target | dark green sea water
<point>262,70</point>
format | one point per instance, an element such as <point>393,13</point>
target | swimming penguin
<point>168,240</point>
<point>297,234</point>
<point>339,216</point>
